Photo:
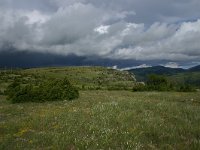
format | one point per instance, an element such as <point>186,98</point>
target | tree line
<point>160,83</point>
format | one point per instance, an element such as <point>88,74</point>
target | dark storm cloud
<point>24,59</point>
<point>42,5</point>
<point>141,31</point>
<point>150,11</point>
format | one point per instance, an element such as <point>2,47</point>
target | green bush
<point>50,90</point>
<point>12,89</point>
<point>157,83</point>
<point>186,88</point>
<point>139,87</point>
<point>1,92</point>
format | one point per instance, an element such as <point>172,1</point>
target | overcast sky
<point>166,32</point>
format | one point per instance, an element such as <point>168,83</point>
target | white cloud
<point>88,28</point>
<point>36,17</point>
<point>136,67</point>
<point>114,67</point>
<point>102,29</point>
<point>172,65</point>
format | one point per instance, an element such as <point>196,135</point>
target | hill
<point>194,69</point>
<point>142,73</point>
<point>181,76</point>
<point>83,78</point>
<point>190,78</point>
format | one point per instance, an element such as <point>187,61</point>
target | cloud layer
<point>145,30</point>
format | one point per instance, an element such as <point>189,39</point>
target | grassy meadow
<point>104,120</point>
<point>107,114</point>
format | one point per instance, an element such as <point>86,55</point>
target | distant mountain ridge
<point>142,73</point>
<point>194,69</point>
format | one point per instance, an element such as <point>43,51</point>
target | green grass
<point>104,120</point>
<point>84,78</point>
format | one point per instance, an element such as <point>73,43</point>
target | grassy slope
<point>103,120</point>
<point>87,77</point>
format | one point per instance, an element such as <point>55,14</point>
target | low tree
<point>50,90</point>
<point>139,87</point>
<point>158,83</point>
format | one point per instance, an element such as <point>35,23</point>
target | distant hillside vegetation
<point>195,69</point>
<point>142,73</point>
<point>189,76</point>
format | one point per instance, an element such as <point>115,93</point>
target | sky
<point>119,33</point>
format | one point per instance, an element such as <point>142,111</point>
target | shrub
<point>157,83</point>
<point>139,87</point>
<point>1,92</point>
<point>12,89</point>
<point>186,88</point>
<point>50,90</point>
